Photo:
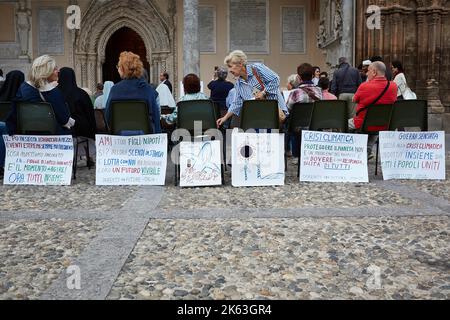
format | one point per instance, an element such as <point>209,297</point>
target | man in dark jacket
<point>346,81</point>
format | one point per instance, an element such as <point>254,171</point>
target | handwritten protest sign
<point>200,164</point>
<point>38,160</point>
<point>333,157</point>
<point>135,160</point>
<point>257,159</point>
<point>413,155</point>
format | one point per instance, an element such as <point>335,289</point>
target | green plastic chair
<point>130,118</point>
<point>329,114</point>
<point>192,111</point>
<point>409,114</point>
<point>299,120</point>
<point>36,119</point>
<point>377,116</point>
<point>5,110</point>
<point>260,114</point>
<point>196,110</point>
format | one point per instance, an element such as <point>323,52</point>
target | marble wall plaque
<point>51,31</point>
<point>207,28</point>
<point>249,26</point>
<point>293,29</point>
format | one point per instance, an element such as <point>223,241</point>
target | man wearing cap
<point>365,68</point>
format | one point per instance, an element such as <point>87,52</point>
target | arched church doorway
<point>124,39</point>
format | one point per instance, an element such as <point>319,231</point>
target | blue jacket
<point>136,89</point>
<point>219,91</point>
<point>345,80</point>
<point>29,93</point>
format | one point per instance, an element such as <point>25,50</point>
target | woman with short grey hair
<point>220,89</point>
<point>254,81</point>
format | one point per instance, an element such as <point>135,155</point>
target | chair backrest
<point>329,114</point>
<point>130,118</point>
<point>378,118</point>
<point>196,110</point>
<point>410,113</point>
<point>100,121</point>
<point>5,110</point>
<point>260,114</point>
<point>36,119</point>
<point>300,117</point>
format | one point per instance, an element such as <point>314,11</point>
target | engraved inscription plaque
<point>51,31</point>
<point>293,29</point>
<point>207,28</point>
<point>249,26</point>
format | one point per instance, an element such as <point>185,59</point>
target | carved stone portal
<point>102,20</point>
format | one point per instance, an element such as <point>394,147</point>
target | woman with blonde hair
<point>134,87</point>
<point>42,86</point>
<point>254,81</point>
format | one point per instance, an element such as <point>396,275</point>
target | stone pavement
<point>382,240</point>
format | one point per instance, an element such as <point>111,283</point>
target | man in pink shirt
<point>366,95</point>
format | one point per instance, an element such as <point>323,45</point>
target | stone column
<point>347,29</point>
<point>435,108</point>
<point>191,44</point>
<point>91,71</point>
<point>422,45</point>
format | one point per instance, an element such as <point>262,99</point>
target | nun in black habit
<point>80,104</point>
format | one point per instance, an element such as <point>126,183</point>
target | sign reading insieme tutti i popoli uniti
<point>413,155</point>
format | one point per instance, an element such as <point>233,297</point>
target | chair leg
<point>376,158</point>
<point>75,161</point>
<point>222,173</point>
<point>299,155</point>
<point>88,155</point>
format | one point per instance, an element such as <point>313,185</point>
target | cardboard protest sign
<point>413,155</point>
<point>200,164</point>
<point>134,160</point>
<point>333,157</point>
<point>38,160</point>
<point>257,159</point>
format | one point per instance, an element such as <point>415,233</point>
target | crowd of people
<point>372,83</point>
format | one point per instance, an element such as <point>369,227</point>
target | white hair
<point>236,57</point>
<point>379,67</point>
<point>41,69</point>
<point>294,80</point>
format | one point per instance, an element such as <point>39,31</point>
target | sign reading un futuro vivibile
<point>134,160</point>
<point>333,157</point>
<point>413,155</point>
<point>38,160</point>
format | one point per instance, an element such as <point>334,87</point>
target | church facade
<point>183,36</point>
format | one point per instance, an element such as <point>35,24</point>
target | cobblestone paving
<point>34,253</point>
<point>295,196</point>
<point>82,195</point>
<point>289,259</point>
<point>245,257</point>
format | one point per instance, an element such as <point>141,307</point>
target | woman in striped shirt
<point>248,87</point>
